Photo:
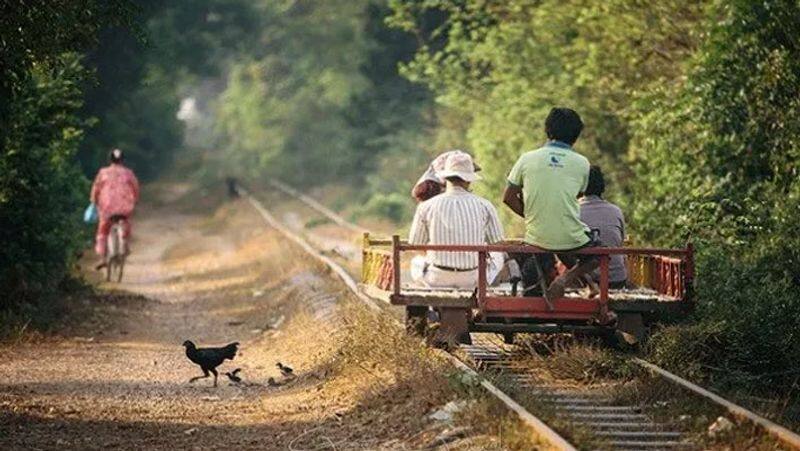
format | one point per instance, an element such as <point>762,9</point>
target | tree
<point>40,129</point>
<point>504,64</point>
<point>717,163</point>
<point>41,188</point>
<point>321,100</point>
<point>39,32</point>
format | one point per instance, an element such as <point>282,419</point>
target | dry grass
<point>587,363</point>
<point>373,346</point>
<point>564,358</point>
<point>491,418</point>
<point>361,382</point>
<point>379,347</point>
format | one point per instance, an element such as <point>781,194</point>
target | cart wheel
<point>508,338</point>
<point>631,331</point>
<point>416,320</point>
<point>454,326</point>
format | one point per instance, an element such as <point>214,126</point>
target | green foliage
<point>693,109</point>
<point>40,31</point>
<point>284,111</point>
<point>138,79</point>
<point>722,150</point>
<point>137,115</point>
<point>323,100</point>
<point>504,64</point>
<point>200,37</point>
<point>390,119</point>
<point>42,191</point>
<point>394,206</point>
<point>745,333</point>
<point>80,78</point>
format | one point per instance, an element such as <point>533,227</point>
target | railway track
<point>614,425</point>
<point>610,424</point>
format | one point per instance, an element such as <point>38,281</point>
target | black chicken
<point>209,358</point>
<point>233,377</point>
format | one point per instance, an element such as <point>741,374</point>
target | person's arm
<point>419,227</point>
<point>512,197</point>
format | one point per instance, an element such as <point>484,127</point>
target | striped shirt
<point>455,217</point>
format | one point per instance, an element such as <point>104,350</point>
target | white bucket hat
<point>459,164</point>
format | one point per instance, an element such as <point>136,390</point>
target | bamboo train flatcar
<point>659,289</point>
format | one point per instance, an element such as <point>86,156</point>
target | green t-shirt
<point>551,179</point>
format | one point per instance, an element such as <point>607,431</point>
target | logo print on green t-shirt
<point>555,161</point>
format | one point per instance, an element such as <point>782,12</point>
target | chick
<point>285,370</point>
<point>233,377</point>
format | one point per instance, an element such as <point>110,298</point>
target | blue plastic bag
<point>90,215</point>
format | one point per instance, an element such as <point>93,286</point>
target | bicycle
<point>116,248</point>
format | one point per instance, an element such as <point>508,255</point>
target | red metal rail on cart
<point>668,271</point>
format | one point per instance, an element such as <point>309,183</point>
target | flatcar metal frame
<point>669,272</point>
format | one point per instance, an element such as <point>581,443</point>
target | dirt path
<point>117,377</point>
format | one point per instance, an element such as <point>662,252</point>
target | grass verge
<point>33,319</point>
<point>372,345</point>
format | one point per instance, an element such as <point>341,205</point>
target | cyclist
<point>115,191</point>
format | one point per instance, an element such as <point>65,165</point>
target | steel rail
<point>317,206</point>
<point>541,429</point>
<point>781,433</point>
<point>270,219</point>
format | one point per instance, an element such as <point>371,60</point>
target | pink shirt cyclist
<point>115,191</point>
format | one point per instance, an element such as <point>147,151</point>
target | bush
<point>744,334</point>
<point>393,206</point>
<point>42,190</point>
<point>717,163</point>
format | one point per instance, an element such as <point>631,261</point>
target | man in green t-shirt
<point>543,187</point>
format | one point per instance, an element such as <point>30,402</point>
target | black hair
<point>597,183</point>
<point>563,124</point>
<point>116,156</point>
<point>426,190</point>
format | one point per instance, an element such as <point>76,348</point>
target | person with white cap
<point>430,184</point>
<point>455,217</point>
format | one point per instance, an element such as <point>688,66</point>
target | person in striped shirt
<point>456,217</point>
